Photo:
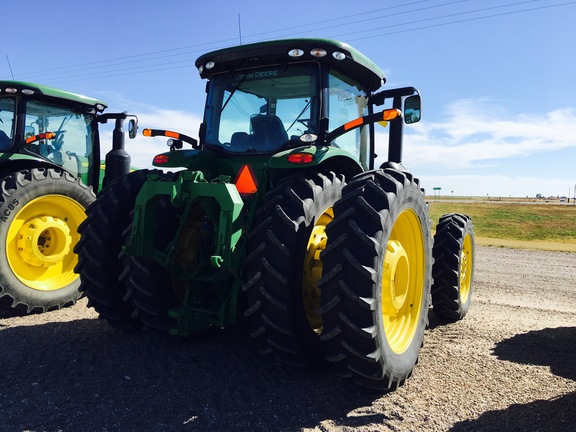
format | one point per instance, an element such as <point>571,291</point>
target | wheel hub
<point>395,279</point>
<point>312,270</point>
<point>44,241</point>
<point>466,268</point>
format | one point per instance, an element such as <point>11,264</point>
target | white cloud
<point>475,132</point>
<point>495,149</point>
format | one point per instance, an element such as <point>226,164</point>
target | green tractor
<point>49,170</point>
<point>278,218</point>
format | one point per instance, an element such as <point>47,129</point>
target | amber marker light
<point>391,114</point>
<point>47,135</point>
<point>354,123</point>
<point>159,132</point>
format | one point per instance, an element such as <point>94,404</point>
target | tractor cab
<point>271,96</point>
<point>46,124</point>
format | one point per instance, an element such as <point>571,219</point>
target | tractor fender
<point>14,162</point>
<point>327,158</point>
<point>192,160</point>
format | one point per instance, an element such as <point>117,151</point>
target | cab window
<point>6,123</point>
<point>348,100</point>
<point>71,146</point>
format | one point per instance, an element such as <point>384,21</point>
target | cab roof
<point>19,86</point>
<point>354,63</point>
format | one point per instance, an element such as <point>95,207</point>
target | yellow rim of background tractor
<point>41,240</point>
<point>466,260</point>
<point>313,269</point>
<point>403,280</point>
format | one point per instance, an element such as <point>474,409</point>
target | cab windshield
<point>259,110</point>
<point>71,146</point>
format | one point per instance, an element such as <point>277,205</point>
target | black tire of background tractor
<point>275,295</point>
<point>100,245</point>
<point>40,210</point>
<point>149,286</point>
<point>453,269</point>
<point>381,223</point>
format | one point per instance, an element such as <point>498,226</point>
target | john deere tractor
<point>279,216</point>
<point>49,171</point>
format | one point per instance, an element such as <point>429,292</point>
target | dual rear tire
<point>128,292</point>
<point>377,278</point>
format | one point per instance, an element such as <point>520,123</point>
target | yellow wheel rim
<point>403,280</point>
<point>466,260</point>
<point>313,270</point>
<point>40,242</point>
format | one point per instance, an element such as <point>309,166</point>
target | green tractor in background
<point>50,169</point>
<point>281,217</point>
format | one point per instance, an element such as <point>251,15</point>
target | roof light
<point>300,158</point>
<point>200,69</point>
<point>11,90</point>
<point>100,107</point>
<point>296,52</point>
<point>28,92</point>
<point>338,55</point>
<point>318,52</point>
<point>210,65</point>
<point>160,159</point>
<point>308,138</point>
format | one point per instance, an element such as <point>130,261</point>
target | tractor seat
<point>268,132</point>
<point>240,141</point>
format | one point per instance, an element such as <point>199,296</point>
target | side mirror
<point>412,109</point>
<point>29,131</point>
<point>133,127</point>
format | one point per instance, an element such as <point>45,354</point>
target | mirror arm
<point>380,97</point>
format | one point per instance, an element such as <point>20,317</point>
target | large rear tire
<point>284,265</point>
<point>100,245</point>
<point>376,279</point>
<point>149,286</point>
<point>453,269</point>
<point>40,211</point>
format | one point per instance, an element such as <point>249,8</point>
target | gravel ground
<point>509,365</point>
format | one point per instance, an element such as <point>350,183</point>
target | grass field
<point>527,225</point>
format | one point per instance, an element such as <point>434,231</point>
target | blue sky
<point>497,77</point>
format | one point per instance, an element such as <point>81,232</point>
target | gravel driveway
<point>509,365</point>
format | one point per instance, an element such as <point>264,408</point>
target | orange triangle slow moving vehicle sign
<point>245,181</point>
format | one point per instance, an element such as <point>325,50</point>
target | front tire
<point>40,211</point>
<point>284,265</point>
<point>453,269</point>
<point>376,279</point>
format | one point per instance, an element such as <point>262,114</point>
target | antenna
<point>9,66</point>
<point>239,29</point>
